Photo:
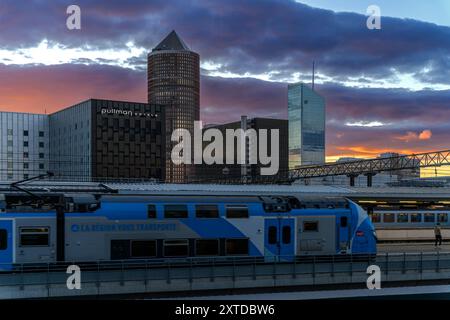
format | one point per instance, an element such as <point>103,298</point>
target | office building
<point>247,171</point>
<point>24,145</point>
<point>306,116</point>
<point>174,81</point>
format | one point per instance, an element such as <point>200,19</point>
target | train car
<point>408,219</point>
<point>406,225</point>
<point>118,227</point>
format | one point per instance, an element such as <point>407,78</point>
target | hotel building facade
<point>94,139</point>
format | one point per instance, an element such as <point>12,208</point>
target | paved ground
<point>412,247</point>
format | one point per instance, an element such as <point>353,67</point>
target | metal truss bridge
<point>352,169</point>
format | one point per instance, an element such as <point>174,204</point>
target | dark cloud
<point>225,99</point>
<point>254,36</point>
<point>401,111</point>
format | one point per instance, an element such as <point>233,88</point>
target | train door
<point>343,234</point>
<point>279,239</point>
<point>6,244</point>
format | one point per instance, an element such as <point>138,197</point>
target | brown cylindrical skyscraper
<point>174,81</point>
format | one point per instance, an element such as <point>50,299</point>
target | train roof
<point>146,189</point>
<point>220,198</point>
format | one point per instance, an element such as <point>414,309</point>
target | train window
<point>176,248</point>
<point>376,217</point>
<point>206,211</point>
<point>3,239</point>
<point>388,217</point>
<point>272,235</point>
<point>120,249</point>
<point>286,235</point>
<point>175,211</point>
<point>151,211</point>
<point>416,217</point>
<point>207,247</point>
<point>34,236</point>
<point>344,221</point>
<point>310,226</point>
<point>428,217</point>
<point>236,246</point>
<point>237,211</point>
<point>442,217</point>
<point>143,248</point>
<point>402,217</point>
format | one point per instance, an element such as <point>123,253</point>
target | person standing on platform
<point>437,235</point>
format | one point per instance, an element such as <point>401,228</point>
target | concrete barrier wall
<point>43,285</point>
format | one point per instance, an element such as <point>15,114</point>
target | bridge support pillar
<point>369,179</point>
<point>352,179</point>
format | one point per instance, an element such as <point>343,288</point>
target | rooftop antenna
<point>313,71</point>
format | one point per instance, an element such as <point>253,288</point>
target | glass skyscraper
<point>306,115</point>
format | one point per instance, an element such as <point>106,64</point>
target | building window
<point>25,165</point>
<point>206,211</point>
<point>10,143</point>
<point>236,246</point>
<point>41,133</point>
<point>25,133</point>
<point>207,247</point>
<point>41,156</point>
<point>236,211</point>
<point>34,236</point>
<point>25,144</point>
<point>10,132</point>
<point>143,248</point>
<point>25,155</point>
<point>176,248</point>
<point>388,217</point>
<point>175,211</point>
<point>41,145</point>
<point>41,166</point>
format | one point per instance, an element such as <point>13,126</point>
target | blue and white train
<point>117,227</point>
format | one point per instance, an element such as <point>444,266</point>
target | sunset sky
<point>386,90</point>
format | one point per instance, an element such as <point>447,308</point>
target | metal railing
<point>214,269</point>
